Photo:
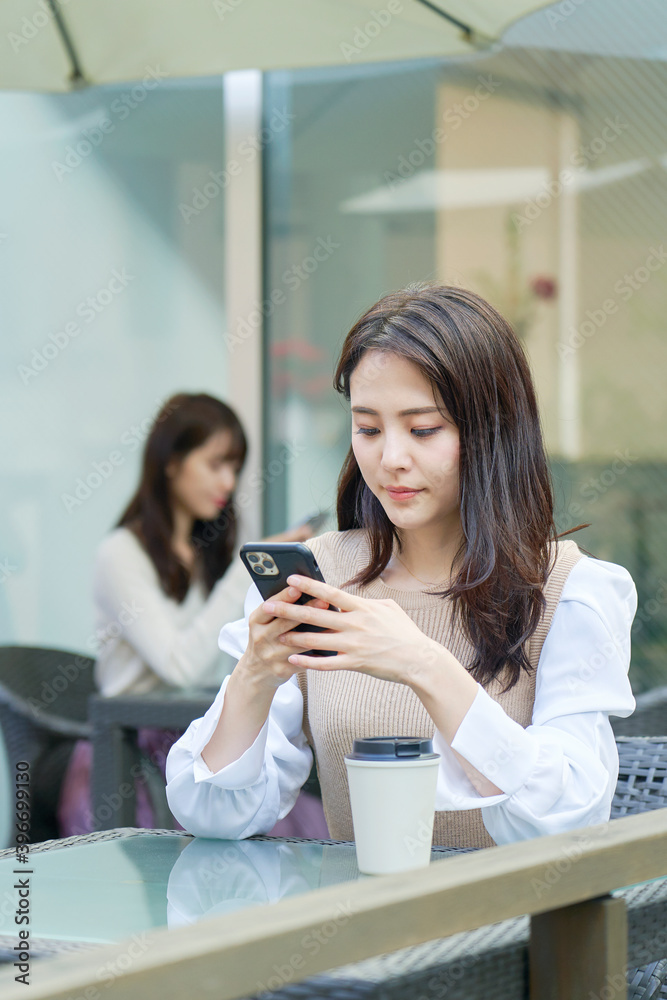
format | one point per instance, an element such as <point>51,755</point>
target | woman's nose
<point>395,454</point>
<point>229,477</point>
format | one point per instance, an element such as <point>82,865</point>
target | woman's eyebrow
<point>402,413</point>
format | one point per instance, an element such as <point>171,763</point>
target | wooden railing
<point>578,932</point>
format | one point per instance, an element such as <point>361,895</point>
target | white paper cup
<point>392,783</point>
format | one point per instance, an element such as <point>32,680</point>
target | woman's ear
<point>171,468</point>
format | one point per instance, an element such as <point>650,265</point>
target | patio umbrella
<point>58,45</point>
<point>475,187</point>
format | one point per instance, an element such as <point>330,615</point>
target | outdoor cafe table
<point>114,723</point>
<point>119,885</point>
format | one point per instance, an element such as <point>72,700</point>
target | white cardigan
<point>558,774</point>
<point>145,640</point>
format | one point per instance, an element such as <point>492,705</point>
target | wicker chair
<point>43,710</point>
<point>642,775</point>
<point>641,787</point>
<point>47,687</point>
<point>6,796</point>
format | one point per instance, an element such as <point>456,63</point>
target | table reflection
<point>211,877</point>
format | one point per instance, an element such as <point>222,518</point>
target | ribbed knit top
<point>341,705</point>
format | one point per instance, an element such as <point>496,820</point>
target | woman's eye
<point>417,431</point>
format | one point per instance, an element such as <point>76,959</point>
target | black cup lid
<point>391,748</point>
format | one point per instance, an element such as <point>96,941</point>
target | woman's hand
<point>374,636</point>
<point>265,662</point>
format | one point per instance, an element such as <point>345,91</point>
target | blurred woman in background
<point>167,579</point>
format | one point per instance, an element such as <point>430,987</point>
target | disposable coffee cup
<point>392,781</point>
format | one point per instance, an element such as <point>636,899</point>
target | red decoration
<point>544,288</point>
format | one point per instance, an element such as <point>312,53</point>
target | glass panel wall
<point>535,175</point>
<point>326,260</point>
<point>111,290</point>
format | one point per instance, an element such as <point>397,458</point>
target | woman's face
<point>202,482</point>
<point>399,449</point>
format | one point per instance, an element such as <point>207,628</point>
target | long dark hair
<point>185,422</point>
<point>478,368</point>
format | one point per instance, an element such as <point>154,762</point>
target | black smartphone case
<point>286,558</point>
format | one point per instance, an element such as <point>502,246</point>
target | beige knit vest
<point>340,705</point>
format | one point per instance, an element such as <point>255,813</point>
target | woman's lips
<point>402,494</point>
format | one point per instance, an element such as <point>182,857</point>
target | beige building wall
<point>600,390</point>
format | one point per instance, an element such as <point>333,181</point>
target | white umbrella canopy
<point>59,45</point>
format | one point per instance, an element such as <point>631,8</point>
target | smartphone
<point>270,563</point>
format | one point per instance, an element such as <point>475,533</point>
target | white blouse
<point>145,640</point>
<point>558,774</point>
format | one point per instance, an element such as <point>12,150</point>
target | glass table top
<point>109,890</point>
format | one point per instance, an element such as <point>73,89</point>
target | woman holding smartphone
<point>461,615</point>
<point>168,576</point>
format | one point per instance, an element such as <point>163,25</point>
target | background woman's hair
<point>185,422</point>
<point>478,368</point>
